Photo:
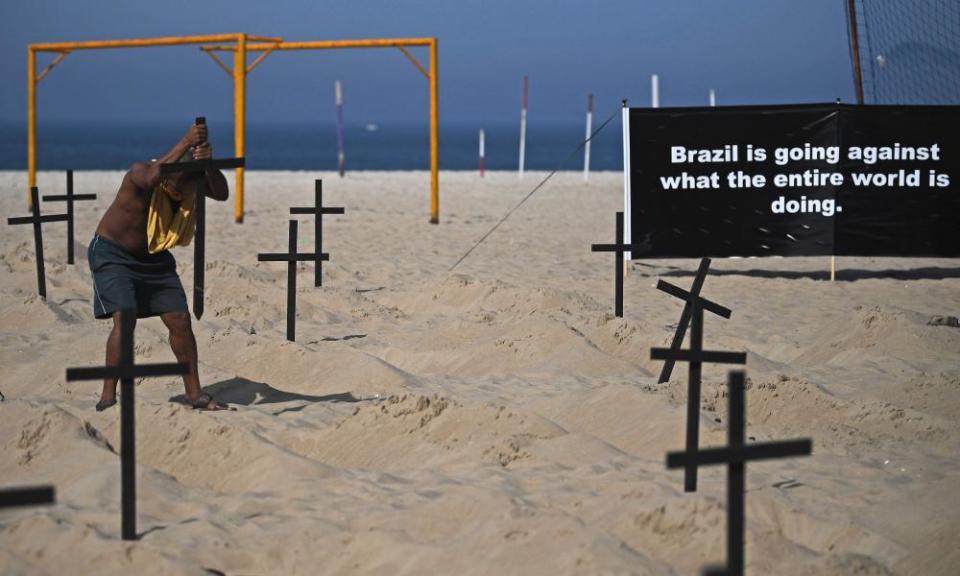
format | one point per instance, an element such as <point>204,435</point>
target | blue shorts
<point>122,279</point>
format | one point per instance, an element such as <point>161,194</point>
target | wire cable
<point>532,192</point>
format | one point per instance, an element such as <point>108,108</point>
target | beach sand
<point>497,419</point>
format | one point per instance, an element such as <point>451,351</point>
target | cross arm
<point>284,257</point>
<point>136,371</point>
<point>32,219</point>
<point>610,247</point>
<point>66,197</point>
<point>709,356</point>
<point>27,496</point>
<point>201,165</point>
<point>733,455</point>
<point>308,210</point>
<point>682,294</point>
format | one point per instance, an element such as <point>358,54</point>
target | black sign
<point>803,180</point>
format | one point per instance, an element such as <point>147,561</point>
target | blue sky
<point>750,51</point>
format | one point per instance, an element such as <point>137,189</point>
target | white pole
<point>654,91</point>
<point>523,125</point>
<point>713,97</point>
<point>627,217</point>
<point>586,149</point>
<point>338,97</point>
<point>482,153</point>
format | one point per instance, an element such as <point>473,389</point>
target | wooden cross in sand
<point>688,298</point>
<point>126,371</point>
<point>27,496</point>
<point>69,198</point>
<point>692,312</point>
<point>291,258</point>
<point>696,356</point>
<point>200,210</point>
<point>318,210</point>
<point>736,455</point>
<point>36,220</point>
<point>618,248</point>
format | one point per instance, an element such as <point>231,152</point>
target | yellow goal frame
<point>240,44</point>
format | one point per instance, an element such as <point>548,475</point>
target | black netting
<point>909,51</point>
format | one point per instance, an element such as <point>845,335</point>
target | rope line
<point>537,187</point>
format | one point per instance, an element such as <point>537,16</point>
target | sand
<point>493,420</point>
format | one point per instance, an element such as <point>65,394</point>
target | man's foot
<point>105,403</point>
<point>206,402</point>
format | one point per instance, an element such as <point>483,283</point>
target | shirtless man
<point>126,275</point>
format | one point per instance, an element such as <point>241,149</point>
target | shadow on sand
<point>245,392</point>
<point>843,274</point>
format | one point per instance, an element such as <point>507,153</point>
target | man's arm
<point>146,175</point>
<point>216,183</point>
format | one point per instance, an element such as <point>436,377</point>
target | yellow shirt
<point>167,225</point>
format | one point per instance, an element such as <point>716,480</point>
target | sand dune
<point>496,419</point>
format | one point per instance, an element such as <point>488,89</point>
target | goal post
<point>240,44</point>
<point>266,48</point>
<point>63,49</point>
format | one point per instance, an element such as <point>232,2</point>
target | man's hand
<point>203,152</point>
<point>196,135</point>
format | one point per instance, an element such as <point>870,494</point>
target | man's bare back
<point>125,221</point>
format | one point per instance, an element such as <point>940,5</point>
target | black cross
<point>126,371</point>
<point>200,210</point>
<point>735,456</point>
<point>291,258</point>
<point>27,496</point>
<point>696,356</point>
<point>69,198</point>
<point>36,219</point>
<point>619,248</point>
<point>318,209</point>
<point>688,298</point>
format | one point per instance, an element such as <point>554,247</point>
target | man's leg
<point>184,346</point>
<point>109,392</point>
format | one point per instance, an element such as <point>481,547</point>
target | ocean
<point>89,145</point>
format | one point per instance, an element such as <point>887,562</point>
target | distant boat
<point>371,127</point>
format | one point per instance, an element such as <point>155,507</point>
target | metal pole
<point>31,119</point>
<point>855,49</point>
<point>482,153</point>
<point>628,222</point>
<point>338,101</point>
<point>654,91</point>
<point>523,124</point>
<point>434,135</point>
<point>142,42</point>
<point>586,148</point>
<point>239,116</point>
